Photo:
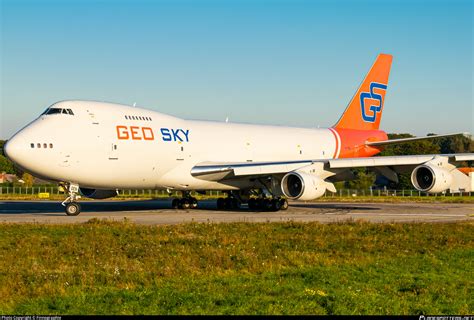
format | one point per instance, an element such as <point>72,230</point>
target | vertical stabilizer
<point>365,109</point>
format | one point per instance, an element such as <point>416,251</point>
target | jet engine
<point>97,194</point>
<point>430,178</point>
<point>302,186</point>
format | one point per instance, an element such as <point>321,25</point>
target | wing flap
<point>464,157</point>
<point>379,161</point>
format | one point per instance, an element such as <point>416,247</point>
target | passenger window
<point>32,145</point>
<point>45,145</point>
<point>38,145</point>
<point>51,145</point>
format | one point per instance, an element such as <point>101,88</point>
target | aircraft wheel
<point>194,203</point>
<point>252,204</point>
<point>266,204</point>
<point>185,203</point>
<point>228,203</point>
<point>276,204</point>
<point>283,204</point>
<point>175,204</point>
<point>73,209</point>
<point>220,203</point>
<point>234,203</point>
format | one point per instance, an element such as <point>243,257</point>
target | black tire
<point>283,204</point>
<point>235,204</point>
<point>266,204</point>
<point>228,203</point>
<point>185,203</point>
<point>194,203</point>
<point>73,209</point>
<point>252,204</point>
<point>276,204</point>
<point>175,204</point>
<point>220,203</point>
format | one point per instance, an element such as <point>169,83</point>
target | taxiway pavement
<point>160,212</point>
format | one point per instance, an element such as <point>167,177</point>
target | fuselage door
<point>182,153</point>
<point>113,151</point>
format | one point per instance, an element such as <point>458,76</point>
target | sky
<point>294,62</point>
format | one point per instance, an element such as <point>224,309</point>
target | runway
<point>153,212</point>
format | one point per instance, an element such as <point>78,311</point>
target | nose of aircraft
<point>16,148</point>
<point>11,149</point>
<point>3,150</point>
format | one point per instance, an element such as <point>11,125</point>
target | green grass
<point>241,268</point>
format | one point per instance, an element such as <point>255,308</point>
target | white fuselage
<point>112,146</point>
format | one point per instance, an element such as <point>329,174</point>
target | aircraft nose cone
<point>11,150</point>
<point>4,153</point>
<point>16,149</point>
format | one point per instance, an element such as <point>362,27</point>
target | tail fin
<point>365,109</point>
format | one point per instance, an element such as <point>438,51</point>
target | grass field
<point>240,268</point>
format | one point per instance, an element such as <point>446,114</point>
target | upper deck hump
<point>109,108</point>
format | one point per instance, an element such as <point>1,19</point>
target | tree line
<point>364,178</point>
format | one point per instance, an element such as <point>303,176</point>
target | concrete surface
<point>160,212</point>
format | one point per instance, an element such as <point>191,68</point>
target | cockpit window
<point>57,111</point>
<point>54,111</point>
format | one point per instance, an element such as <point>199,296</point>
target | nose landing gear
<point>72,208</point>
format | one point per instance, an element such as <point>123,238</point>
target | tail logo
<point>370,114</point>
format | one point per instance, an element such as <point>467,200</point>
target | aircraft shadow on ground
<point>338,206</point>
<point>40,207</point>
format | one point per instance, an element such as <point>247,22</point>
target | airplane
<point>95,148</point>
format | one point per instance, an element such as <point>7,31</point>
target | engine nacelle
<point>97,194</point>
<point>302,186</point>
<point>432,179</point>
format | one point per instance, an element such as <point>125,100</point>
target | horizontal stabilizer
<point>404,140</point>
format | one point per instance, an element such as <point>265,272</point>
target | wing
<point>388,166</point>
<point>405,140</point>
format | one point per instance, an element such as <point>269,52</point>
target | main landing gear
<point>186,202</point>
<point>257,200</point>
<point>266,204</point>
<point>231,202</point>
<point>72,208</point>
<point>261,202</point>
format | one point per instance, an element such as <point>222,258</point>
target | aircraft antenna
<point>226,119</point>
